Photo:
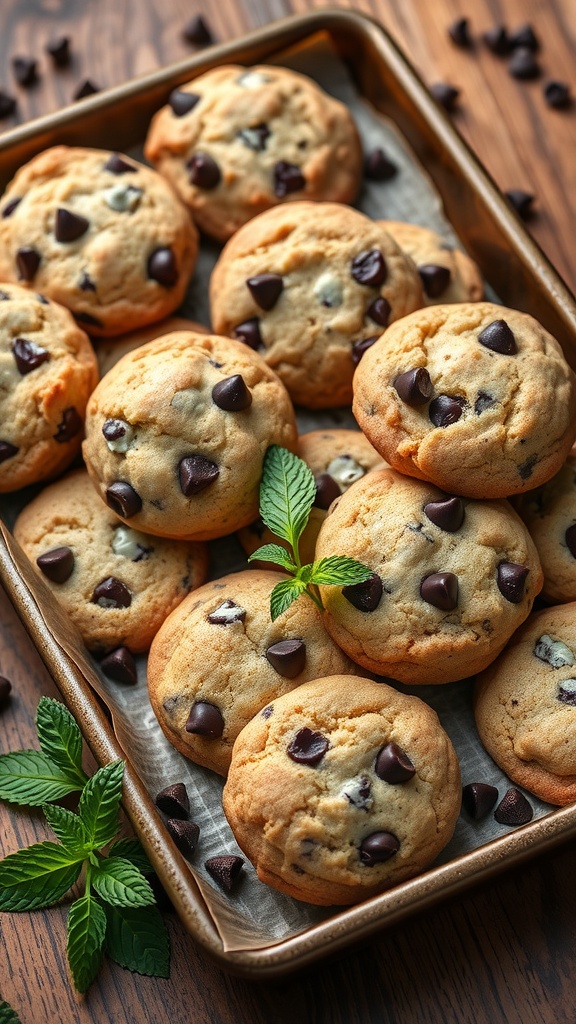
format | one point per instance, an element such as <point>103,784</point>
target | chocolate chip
<point>287,657</point>
<point>195,472</point>
<point>567,692</point>
<point>526,37</point>
<point>446,95</point>
<point>265,289</point>
<point>557,95</point>
<point>86,284</point>
<point>513,809</point>
<point>5,689</point>
<point>86,88</point>
<point>197,32</point>
<point>88,319</point>
<point>379,311</point>
<point>307,747</point>
<point>362,346</point>
<point>498,337</point>
<point>57,564</point>
<point>512,581</point>
<point>377,166</point>
<point>183,102</point>
<point>25,71</point>
<point>225,870</point>
<point>7,450</point>
<point>174,801</point>
<point>232,394</point>
<point>120,666</point>
<point>378,847</point>
<point>162,267</point>
<point>205,719</point>
<point>185,835</point>
<point>287,178</point>
<point>478,799</point>
<point>570,538</point>
<point>393,765</point>
<point>123,499</point>
<point>497,40</point>
<point>42,298</point>
<point>226,613</point>
<point>3,295</point>
<point>204,171</point>
<point>249,333</point>
<point>267,711</point>
<point>11,206</point>
<point>459,33</point>
<point>255,138</point>
<point>448,513</point>
<point>27,261</point>
<point>112,593</point>
<point>7,105</point>
<point>440,589</point>
<point>523,64</point>
<point>59,51</point>
<point>69,226</point>
<point>435,279</point>
<point>527,468</point>
<point>365,596</point>
<point>327,490</point>
<point>483,402</point>
<point>116,164</point>
<point>414,386</point>
<point>369,268</point>
<point>445,409</point>
<point>28,355</point>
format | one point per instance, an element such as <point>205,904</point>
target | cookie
<point>237,141</point>
<point>308,285</point>
<point>100,233</point>
<point>47,372</point>
<point>550,515</point>
<point>344,788</point>
<point>447,274</point>
<point>525,706</point>
<point>219,659</point>
<point>177,431</point>
<point>109,352</point>
<point>475,397</point>
<point>117,584</point>
<point>452,578</point>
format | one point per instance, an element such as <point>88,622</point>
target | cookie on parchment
<point>447,273</point>
<point>342,789</point>
<point>236,141</point>
<point>550,515</point>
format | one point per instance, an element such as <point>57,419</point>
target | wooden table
<point>505,953</point>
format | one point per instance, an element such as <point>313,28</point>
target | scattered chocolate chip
<point>527,468</point>
<point>42,298</point>
<point>414,386</point>
<point>57,564</point>
<point>512,581</point>
<point>513,809</point>
<point>435,279</point>
<point>112,593</point>
<point>225,870</point>
<point>393,765</point>
<point>307,747</point>
<point>87,318</point>
<point>11,206</point>
<point>446,95</point>
<point>86,88</point>
<point>498,337</point>
<point>483,402</point>
<point>567,692</point>
<point>265,289</point>
<point>162,267</point>
<point>525,37</point>
<point>287,657</point>
<point>497,40</point>
<point>287,178</point>
<point>362,346</point>
<point>204,171</point>
<point>232,394</point>
<point>205,719</point>
<point>379,311</point>
<point>69,226</point>
<point>377,166</point>
<point>226,613</point>
<point>183,102</point>
<point>174,801</point>
<point>478,799</point>
<point>327,490</point>
<point>25,71</point>
<point>59,51</point>
<point>28,355</point>
<point>378,847</point>
<point>7,105</point>
<point>266,712</point>
<point>249,333</point>
<point>440,589</point>
<point>255,138</point>
<point>123,499</point>
<point>195,472</point>
<point>570,538</point>
<point>523,64</point>
<point>459,32</point>
<point>116,164</point>
<point>7,450</point>
<point>70,426</point>
<point>445,409</point>
<point>369,268</point>
<point>27,261</point>
<point>448,513</point>
<point>5,689</point>
<point>197,32</point>
<point>365,596</point>
<point>557,95</point>
<point>86,284</point>
<point>120,666</point>
<point>185,835</point>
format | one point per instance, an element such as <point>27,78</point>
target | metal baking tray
<point>523,278</point>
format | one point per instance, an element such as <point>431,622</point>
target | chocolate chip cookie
<point>447,273</point>
<point>47,372</point>
<point>218,660</point>
<point>550,515</point>
<point>237,141</point>
<point>100,233</point>
<point>525,706</point>
<point>341,789</point>
<point>452,578</point>
<point>476,398</point>
<point>310,285</point>
<point>177,431</point>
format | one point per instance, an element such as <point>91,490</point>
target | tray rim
<point>359,922</point>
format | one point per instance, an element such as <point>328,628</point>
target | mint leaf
<point>7,1014</point>
<point>68,828</point>
<point>60,738</point>
<point>117,881</point>
<point>30,777</point>
<point>131,849</point>
<point>37,876</point>
<point>136,938</point>
<point>287,492</point>
<point>86,932</point>
<point>338,571</point>
<point>100,804</point>
<point>283,594</point>
<point>274,553</point>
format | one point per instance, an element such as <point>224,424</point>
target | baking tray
<point>523,278</point>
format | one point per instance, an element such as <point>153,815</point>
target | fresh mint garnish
<point>7,1014</point>
<point>287,493</point>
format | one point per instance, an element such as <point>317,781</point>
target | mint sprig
<point>287,492</point>
<point>116,913</point>
<point>7,1014</point>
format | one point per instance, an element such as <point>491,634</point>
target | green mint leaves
<point>7,1014</point>
<point>116,914</point>
<point>287,493</point>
